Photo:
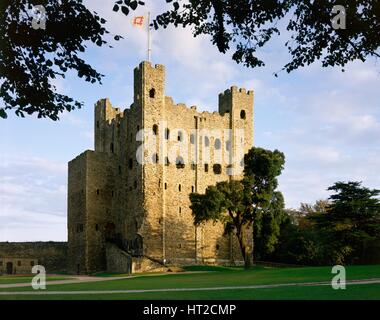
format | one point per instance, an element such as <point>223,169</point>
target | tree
<point>240,205</point>
<point>267,227</point>
<point>351,222</point>
<point>245,26</point>
<point>31,58</point>
<point>226,202</point>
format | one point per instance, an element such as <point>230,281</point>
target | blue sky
<point>326,122</point>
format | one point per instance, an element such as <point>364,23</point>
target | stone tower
<point>133,190</point>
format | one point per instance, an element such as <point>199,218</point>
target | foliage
<point>351,223</point>
<point>245,26</point>
<point>252,201</point>
<point>341,230</point>
<point>31,59</point>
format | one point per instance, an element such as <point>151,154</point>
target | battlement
<point>112,195</point>
<point>148,64</point>
<point>234,90</point>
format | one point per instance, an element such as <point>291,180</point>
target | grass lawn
<point>22,279</point>
<point>221,277</point>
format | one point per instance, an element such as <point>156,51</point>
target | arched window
<point>217,168</point>
<point>207,141</point>
<point>155,129</point>
<point>242,114</point>
<point>217,144</point>
<point>152,93</point>
<point>192,139</point>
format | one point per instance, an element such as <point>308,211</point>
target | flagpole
<point>149,49</point>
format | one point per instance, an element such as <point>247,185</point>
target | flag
<point>138,21</point>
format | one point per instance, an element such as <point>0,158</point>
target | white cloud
<point>33,199</point>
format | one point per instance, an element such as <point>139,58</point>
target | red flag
<point>138,21</point>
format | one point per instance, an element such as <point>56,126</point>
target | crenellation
<point>144,207</point>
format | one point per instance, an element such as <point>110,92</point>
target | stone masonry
<point>142,206</point>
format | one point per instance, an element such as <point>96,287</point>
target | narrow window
<point>97,191</point>
<point>179,188</point>
<point>97,124</point>
<point>112,193</point>
<point>130,163</point>
<point>32,263</point>
<point>206,167</point>
<point>138,128</point>
<point>167,161</point>
<point>242,114</point>
<point>228,145</point>
<point>217,247</point>
<point>135,184</point>
<point>180,163</point>
<point>152,93</point>
<point>111,147</point>
<point>19,263</point>
<point>179,138</point>
<point>179,210</point>
<point>192,139</point>
<point>218,144</point>
<point>207,141</point>
<point>96,227</point>
<point>193,166</point>
<point>167,133</point>
<point>166,185</point>
<point>155,129</point>
<point>192,188</point>
<point>119,169</point>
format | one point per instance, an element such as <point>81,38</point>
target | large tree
<point>351,222</point>
<point>244,26</point>
<point>31,57</point>
<point>243,205</point>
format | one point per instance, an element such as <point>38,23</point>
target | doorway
<point>9,267</point>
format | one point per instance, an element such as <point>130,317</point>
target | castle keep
<point>128,201</point>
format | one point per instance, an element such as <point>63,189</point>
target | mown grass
<point>352,292</point>
<point>224,276</point>
<point>22,279</point>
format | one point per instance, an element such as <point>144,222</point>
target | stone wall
<point>118,260</point>
<point>52,255</point>
<point>150,202</point>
